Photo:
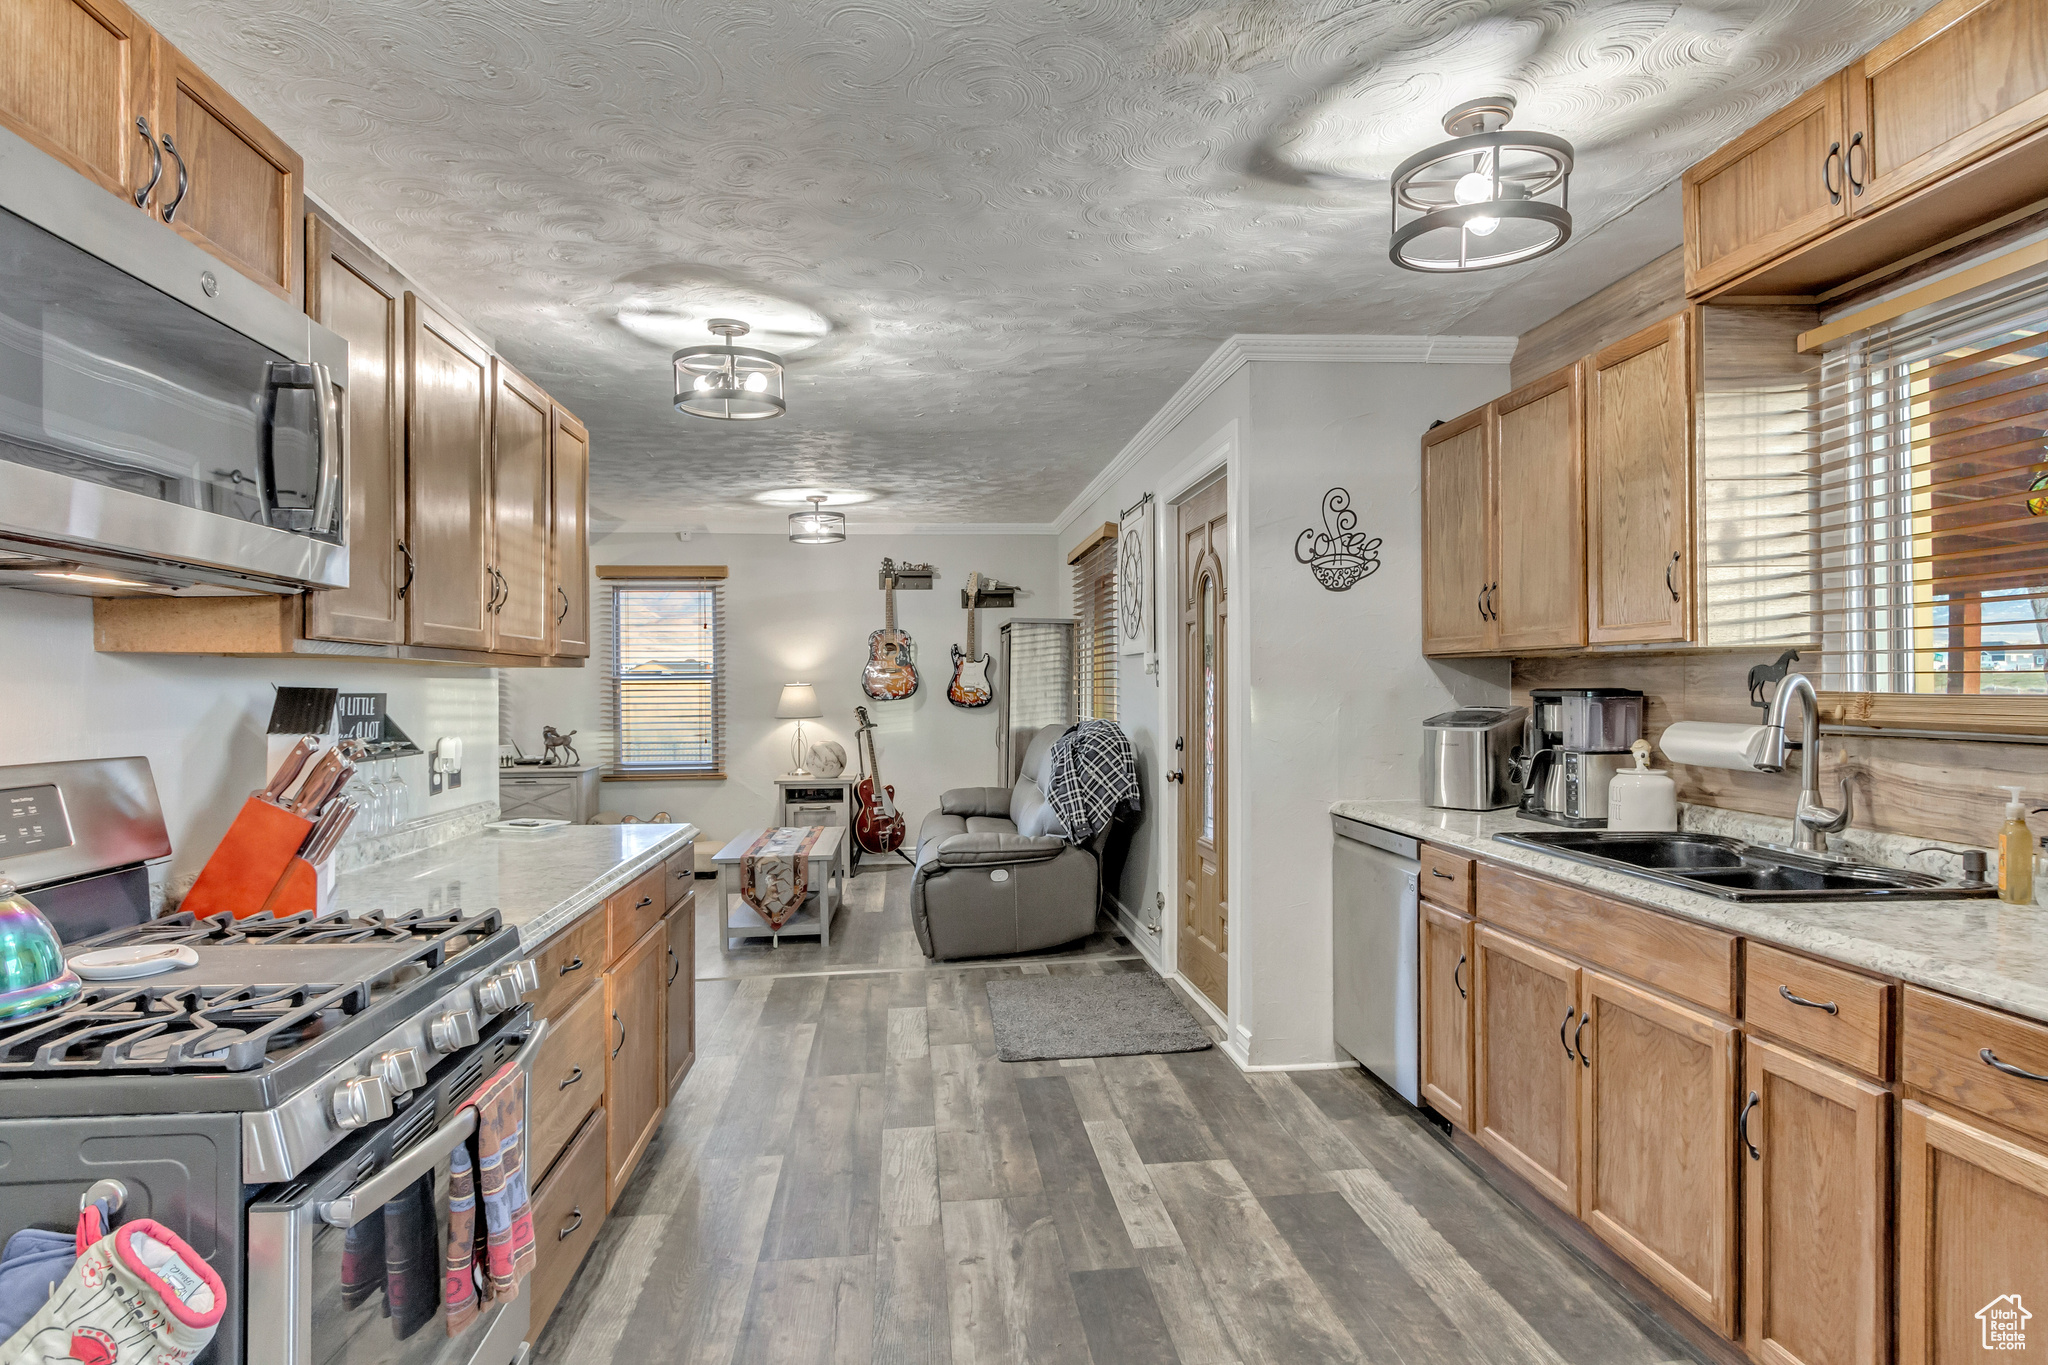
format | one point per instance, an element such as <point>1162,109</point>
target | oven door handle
<point>373,1194</point>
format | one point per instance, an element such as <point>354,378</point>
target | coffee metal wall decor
<point>1339,555</point>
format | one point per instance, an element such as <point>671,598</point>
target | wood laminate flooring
<point>849,1176</point>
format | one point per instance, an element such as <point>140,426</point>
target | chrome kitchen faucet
<point>1812,822</point>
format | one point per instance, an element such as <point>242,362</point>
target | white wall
<point>200,721</point>
<point>802,613</point>
<point>1337,684</point>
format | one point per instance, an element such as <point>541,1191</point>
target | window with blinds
<point>1095,606</point>
<point>1931,482</point>
<point>665,677</point>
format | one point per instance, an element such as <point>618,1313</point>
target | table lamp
<point>799,703</point>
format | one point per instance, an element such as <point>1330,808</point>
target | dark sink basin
<point>1733,870</point>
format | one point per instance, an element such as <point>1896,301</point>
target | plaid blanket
<point>1094,776</point>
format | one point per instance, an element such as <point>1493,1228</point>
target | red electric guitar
<point>889,675</point>
<point>877,824</point>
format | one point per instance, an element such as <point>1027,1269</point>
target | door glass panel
<point>1210,682</point>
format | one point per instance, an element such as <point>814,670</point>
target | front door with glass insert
<point>1204,947</point>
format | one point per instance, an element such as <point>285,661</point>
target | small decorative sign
<point>360,715</point>
<point>1339,555</point>
<point>1134,580</point>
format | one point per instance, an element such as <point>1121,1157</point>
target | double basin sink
<point>1736,871</point>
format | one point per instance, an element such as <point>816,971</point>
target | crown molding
<point>779,526</point>
<point>1245,347</point>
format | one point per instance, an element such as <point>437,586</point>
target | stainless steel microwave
<point>166,424</point>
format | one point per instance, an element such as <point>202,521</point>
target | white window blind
<point>665,676</point>
<point>1095,606</point>
<point>1932,490</point>
<point>1037,683</point>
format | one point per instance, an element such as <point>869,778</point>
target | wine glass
<point>397,796</point>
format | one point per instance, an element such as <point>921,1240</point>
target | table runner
<point>775,872</point>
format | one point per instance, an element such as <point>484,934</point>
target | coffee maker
<point>1574,742</point>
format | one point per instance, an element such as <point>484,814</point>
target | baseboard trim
<point>1302,1066</point>
<point>1134,934</point>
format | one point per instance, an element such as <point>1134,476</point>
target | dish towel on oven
<point>459,1289</point>
<point>409,1259</point>
<point>498,1174</point>
<point>775,873</point>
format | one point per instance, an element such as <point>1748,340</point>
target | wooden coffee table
<point>826,875</point>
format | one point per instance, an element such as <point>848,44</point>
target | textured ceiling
<point>993,234</point>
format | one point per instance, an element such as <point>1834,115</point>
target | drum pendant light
<point>1479,201</point>
<point>817,526</point>
<point>729,383</point>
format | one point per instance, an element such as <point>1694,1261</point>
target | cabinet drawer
<point>570,964</point>
<point>537,800</point>
<point>568,1210</point>
<point>1446,879</point>
<point>681,871</point>
<point>1941,1051</point>
<point>568,1078</point>
<point>1679,958</point>
<point>629,913</point>
<point>1848,1021</point>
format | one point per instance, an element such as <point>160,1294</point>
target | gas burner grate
<point>174,1028</point>
<point>443,931</point>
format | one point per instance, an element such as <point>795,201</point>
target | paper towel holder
<point>1763,675</point>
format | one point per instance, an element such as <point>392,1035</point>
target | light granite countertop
<point>540,881</point>
<point>1982,950</point>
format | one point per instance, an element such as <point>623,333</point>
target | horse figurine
<point>559,749</point>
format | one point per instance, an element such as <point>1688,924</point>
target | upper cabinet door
<point>1639,487</point>
<point>1782,183</point>
<point>353,293</point>
<point>569,541</point>
<point>524,597</point>
<point>75,76</point>
<point>1963,80</point>
<point>448,429</point>
<point>230,184</point>
<point>1457,533</point>
<point>1540,516</point>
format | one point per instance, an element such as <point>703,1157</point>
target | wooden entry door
<point>1204,949</point>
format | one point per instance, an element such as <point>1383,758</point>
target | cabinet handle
<point>1827,1005</point>
<point>1991,1060</point>
<point>1585,1060</point>
<point>1668,570</point>
<point>1855,176</point>
<point>571,1079</point>
<point>156,169</point>
<point>1742,1127</point>
<point>411,565</point>
<point>562,1233</point>
<point>1447,876</point>
<point>1827,172</point>
<point>622,1034</point>
<point>1493,601</point>
<point>674,967</point>
<point>563,614</point>
<point>1480,601</point>
<point>645,901</point>
<point>1564,1024</point>
<point>574,964</point>
<point>1456,973</point>
<point>184,179</point>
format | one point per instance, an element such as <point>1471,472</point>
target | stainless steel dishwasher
<point>1376,952</point>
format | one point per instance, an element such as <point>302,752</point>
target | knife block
<point>250,860</point>
<point>303,887</point>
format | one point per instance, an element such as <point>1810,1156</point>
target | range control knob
<point>502,992</point>
<point>360,1100</point>
<point>400,1069</point>
<point>453,1030</point>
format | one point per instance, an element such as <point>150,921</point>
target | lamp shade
<point>799,701</point>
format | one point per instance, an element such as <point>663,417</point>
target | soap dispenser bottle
<point>2015,853</point>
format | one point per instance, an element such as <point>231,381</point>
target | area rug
<point>1043,1018</point>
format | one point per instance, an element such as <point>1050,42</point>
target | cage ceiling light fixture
<point>726,382</point>
<point>1483,199</point>
<point>817,526</point>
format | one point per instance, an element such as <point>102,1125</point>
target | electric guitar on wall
<point>889,675</point>
<point>970,687</point>
<point>878,826</point>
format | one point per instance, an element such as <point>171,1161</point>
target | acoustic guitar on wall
<point>890,675</point>
<point>969,687</point>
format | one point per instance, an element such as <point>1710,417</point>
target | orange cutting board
<point>249,862</point>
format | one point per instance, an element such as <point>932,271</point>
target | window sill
<point>689,775</point>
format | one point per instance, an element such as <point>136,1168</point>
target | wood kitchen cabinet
<point>679,1006</point>
<point>1814,1143</point>
<point>568,1210</point>
<point>1525,1074</point>
<point>353,292</point>
<point>1657,1141</point>
<point>1457,536</point>
<point>521,590</point>
<point>634,990</point>
<point>448,437</point>
<point>1639,488</point>
<point>78,80</point>
<point>1779,185</point>
<point>1446,1011</point>
<point>1539,518</point>
<point>569,538</point>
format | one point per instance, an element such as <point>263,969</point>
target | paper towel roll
<point>1708,744</point>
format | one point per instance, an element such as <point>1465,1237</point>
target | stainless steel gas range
<point>285,1098</point>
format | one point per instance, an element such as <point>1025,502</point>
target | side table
<point>827,878</point>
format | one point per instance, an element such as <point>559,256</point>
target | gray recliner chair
<point>995,872</point>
